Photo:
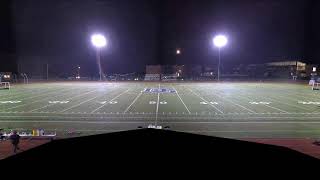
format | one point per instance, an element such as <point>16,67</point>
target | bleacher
<point>152,77</point>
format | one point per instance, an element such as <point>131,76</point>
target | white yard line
<point>42,94</point>
<point>157,109</point>
<point>292,105</point>
<point>226,99</point>
<point>170,122</point>
<point>206,101</point>
<point>125,111</point>
<point>182,100</point>
<point>5,97</point>
<point>109,101</point>
<point>276,108</point>
<point>64,110</point>
<point>35,101</point>
<point>64,100</point>
<point>265,104</point>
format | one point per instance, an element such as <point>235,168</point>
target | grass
<point>236,110</point>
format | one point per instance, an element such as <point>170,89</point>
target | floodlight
<point>220,41</point>
<point>98,40</point>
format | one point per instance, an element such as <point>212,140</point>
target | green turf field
<point>236,110</point>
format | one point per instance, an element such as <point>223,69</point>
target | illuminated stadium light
<point>220,41</point>
<point>98,40</point>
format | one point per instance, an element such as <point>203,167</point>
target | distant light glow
<point>6,76</point>
<point>178,51</point>
<point>79,67</point>
<point>98,40</point>
<point>314,69</point>
<point>220,41</point>
<point>77,77</point>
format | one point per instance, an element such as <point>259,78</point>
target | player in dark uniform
<point>15,139</point>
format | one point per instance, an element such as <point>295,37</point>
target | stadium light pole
<point>220,41</point>
<point>99,41</point>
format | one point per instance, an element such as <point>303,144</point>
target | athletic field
<point>236,110</point>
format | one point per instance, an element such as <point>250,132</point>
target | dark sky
<point>148,31</point>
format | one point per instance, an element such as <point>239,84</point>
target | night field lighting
<point>99,41</point>
<point>220,41</point>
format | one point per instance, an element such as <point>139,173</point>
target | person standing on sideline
<point>1,135</point>
<point>15,139</point>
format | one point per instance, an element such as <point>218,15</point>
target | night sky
<point>144,32</point>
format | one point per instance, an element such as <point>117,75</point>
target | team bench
<point>5,84</point>
<point>314,84</point>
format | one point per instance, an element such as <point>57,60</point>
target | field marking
<point>45,94</point>
<point>205,101</point>
<point>191,115</point>
<point>157,108</point>
<point>232,102</point>
<point>276,108</point>
<point>64,110</point>
<point>25,91</point>
<point>109,101</point>
<point>14,96</point>
<point>170,122</point>
<point>181,100</point>
<point>126,110</point>
<point>281,102</point>
<point>36,101</point>
<point>263,104</point>
<point>79,95</point>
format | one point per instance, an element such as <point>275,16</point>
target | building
<point>153,69</point>
<point>286,69</point>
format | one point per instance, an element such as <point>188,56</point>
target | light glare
<point>220,41</point>
<point>98,40</point>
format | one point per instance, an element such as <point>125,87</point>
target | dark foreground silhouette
<point>156,147</point>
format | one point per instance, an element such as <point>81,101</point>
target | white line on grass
<point>266,104</point>
<point>42,94</point>
<point>182,100</point>
<point>226,99</point>
<point>277,109</point>
<point>20,94</point>
<point>125,111</point>
<point>157,109</point>
<point>168,118</point>
<point>206,101</point>
<point>170,122</point>
<point>65,100</point>
<point>281,102</point>
<point>79,104</point>
<point>108,102</point>
<point>36,101</point>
